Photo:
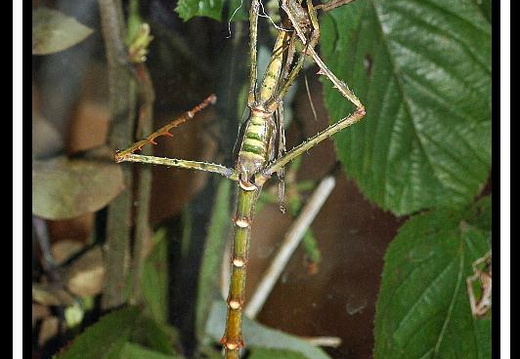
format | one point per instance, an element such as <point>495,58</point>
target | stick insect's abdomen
<point>257,147</point>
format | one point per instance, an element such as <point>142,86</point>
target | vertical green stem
<point>232,339</point>
<point>122,110</point>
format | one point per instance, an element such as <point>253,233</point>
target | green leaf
<point>423,309</point>
<point>67,188</point>
<point>259,336</point>
<point>53,31</point>
<point>423,71</point>
<point>155,335</point>
<point>154,278</point>
<point>188,9</point>
<point>106,338</point>
<point>212,256</point>
<point>191,8</point>
<point>133,21</point>
<point>485,7</point>
<point>134,351</point>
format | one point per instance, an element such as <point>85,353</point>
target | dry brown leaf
<point>65,249</point>
<point>51,294</point>
<point>66,188</point>
<point>86,275</point>
<point>53,31</point>
<point>48,329</point>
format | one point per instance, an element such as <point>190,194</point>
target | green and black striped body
<point>257,149</point>
<point>258,142</point>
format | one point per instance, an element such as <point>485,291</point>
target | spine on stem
<point>232,339</point>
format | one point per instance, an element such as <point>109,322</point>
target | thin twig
<point>291,241</point>
<point>331,342</point>
<point>311,103</point>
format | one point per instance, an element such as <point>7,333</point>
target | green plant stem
<point>232,339</point>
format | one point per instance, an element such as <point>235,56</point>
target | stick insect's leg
<point>274,102</point>
<point>296,14</point>
<point>281,152</point>
<point>309,44</point>
<point>290,51</point>
<point>313,141</point>
<point>128,155</point>
<point>340,85</point>
<point>298,18</point>
<point>165,130</point>
<point>192,165</point>
<point>253,63</point>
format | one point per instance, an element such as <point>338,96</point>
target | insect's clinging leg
<point>313,34</point>
<point>281,152</point>
<point>186,164</point>
<point>300,21</point>
<point>289,80</point>
<point>313,141</point>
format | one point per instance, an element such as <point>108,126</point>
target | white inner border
<point>505,175</point>
<point>17,179</point>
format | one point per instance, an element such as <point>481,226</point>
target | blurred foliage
<point>53,31</point>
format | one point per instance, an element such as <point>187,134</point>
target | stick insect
<point>262,150</point>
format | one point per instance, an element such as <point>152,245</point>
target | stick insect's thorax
<point>258,142</point>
